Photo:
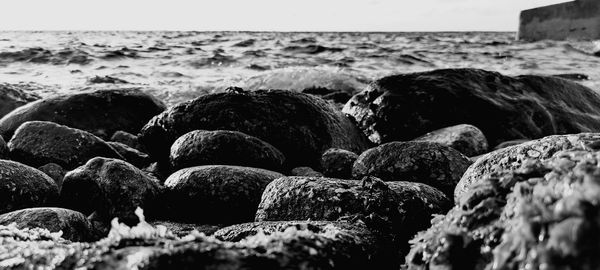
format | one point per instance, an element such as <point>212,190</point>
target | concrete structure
<point>579,19</point>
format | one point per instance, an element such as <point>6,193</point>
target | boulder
<point>429,163</point>
<point>56,172</point>
<point>337,163</point>
<point>465,138</point>
<point>131,155</point>
<point>127,139</point>
<point>3,148</point>
<point>510,143</point>
<point>216,194</point>
<point>224,147</point>
<point>402,107</point>
<point>22,186</point>
<point>299,125</point>
<point>13,96</point>
<point>38,143</point>
<point>100,112</point>
<point>305,171</point>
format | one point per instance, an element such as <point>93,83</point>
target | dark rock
<point>3,149</point>
<point>216,194</point>
<point>405,106</point>
<point>131,155</point>
<point>38,143</point>
<point>101,112</point>
<point>22,186</point>
<point>56,172</point>
<point>337,163</point>
<point>184,229</point>
<point>429,163</point>
<point>510,143</point>
<point>305,171</point>
<point>223,147</point>
<point>13,96</point>
<point>466,139</point>
<point>74,225</point>
<point>111,188</point>
<point>299,125</point>
<point>127,139</point>
<point>106,79</point>
<point>513,157</point>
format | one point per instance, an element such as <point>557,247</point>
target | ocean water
<point>177,66</point>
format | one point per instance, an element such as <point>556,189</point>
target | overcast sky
<point>266,15</point>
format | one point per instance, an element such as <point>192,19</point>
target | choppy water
<point>178,66</point>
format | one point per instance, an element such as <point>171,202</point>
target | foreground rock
<point>542,214</point>
<point>38,143</point>
<point>99,112</point>
<point>513,157</point>
<point>110,188</point>
<point>337,163</point>
<point>223,147</point>
<point>429,163</point>
<point>466,139</point>
<point>73,225</point>
<point>22,186</point>
<point>299,125</point>
<point>405,106</point>
<point>216,194</point>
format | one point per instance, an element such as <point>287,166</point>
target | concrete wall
<point>572,20</point>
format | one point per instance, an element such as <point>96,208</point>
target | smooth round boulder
<point>465,138</point>
<point>299,125</point>
<point>402,107</point>
<point>73,225</point>
<point>337,163</point>
<point>100,112</point>
<point>216,194</point>
<point>110,188</point>
<point>423,162</point>
<point>38,143</point>
<point>131,155</point>
<point>22,186</point>
<point>224,147</point>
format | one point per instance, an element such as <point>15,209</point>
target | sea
<point>178,66</point>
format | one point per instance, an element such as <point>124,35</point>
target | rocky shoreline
<point>446,169</point>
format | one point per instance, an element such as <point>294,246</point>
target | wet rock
<point>111,188</point>
<point>337,163</point>
<point>56,172</point>
<point>101,112</point>
<point>545,210</point>
<point>513,157</point>
<point>22,186</point>
<point>299,125</point>
<point>405,106</point>
<point>466,139</point>
<point>131,155</point>
<point>38,143</point>
<point>74,225</point>
<point>218,194</point>
<point>510,143</point>
<point>305,171</point>
<point>13,96</point>
<point>429,163</point>
<point>127,139</point>
<point>224,147</point>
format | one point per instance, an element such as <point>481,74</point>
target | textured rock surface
<point>429,163</point>
<point>466,139</point>
<point>337,163</point>
<point>38,143</point>
<point>541,215</point>
<point>3,149</point>
<point>131,155</point>
<point>56,172</point>
<point>305,171</point>
<point>127,139</point>
<point>73,225</point>
<point>513,157</point>
<point>13,96</point>
<point>22,186</point>
<point>223,147</point>
<point>101,112</point>
<point>510,143</point>
<point>216,194</point>
<point>299,125</point>
<point>110,188</point>
<point>405,106</point>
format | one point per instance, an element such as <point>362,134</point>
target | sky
<point>266,15</point>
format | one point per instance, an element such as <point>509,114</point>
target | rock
<point>337,163</point>
<point>184,229</point>
<point>131,155</point>
<point>38,143</point>
<point>101,112</point>
<point>513,157</point>
<point>105,79</point>
<point>428,163</point>
<point>305,171</point>
<point>466,139</point>
<point>510,143</point>
<point>216,194</point>
<point>127,139</point>
<point>22,186</point>
<point>405,106</point>
<point>3,149</point>
<point>56,172</point>
<point>111,188</point>
<point>223,147</point>
<point>573,76</point>
<point>13,96</point>
<point>545,210</point>
<point>74,225</point>
<point>299,125</point>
